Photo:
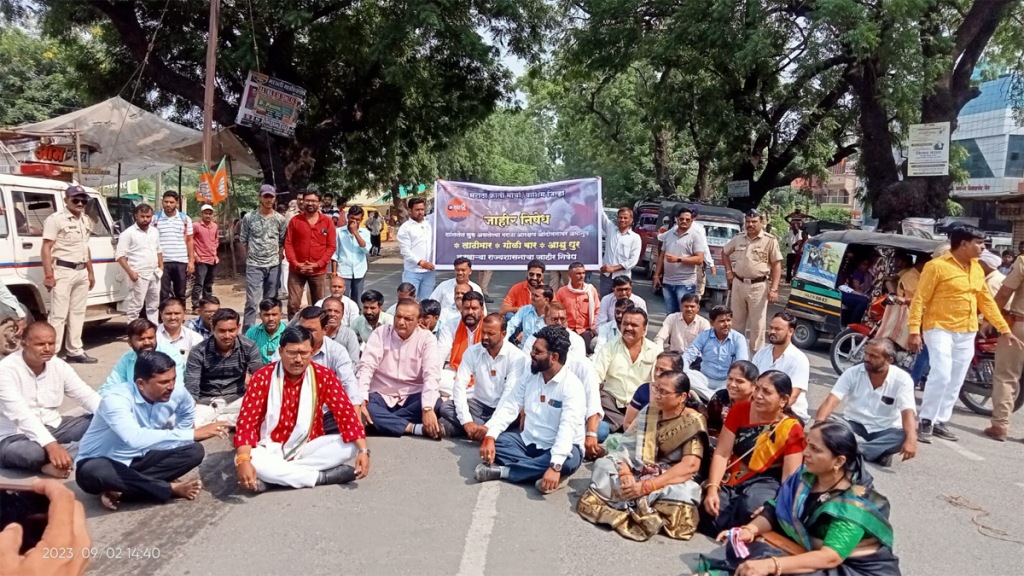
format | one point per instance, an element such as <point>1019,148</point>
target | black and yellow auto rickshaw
<point>816,298</point>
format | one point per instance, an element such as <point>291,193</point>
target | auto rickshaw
<point>816,298</point>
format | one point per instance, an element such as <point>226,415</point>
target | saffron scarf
<point>766,451</point>
<point>461,343</point>
<point>858,504</point>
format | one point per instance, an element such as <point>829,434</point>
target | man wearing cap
<point>176,241</point>
<point>206,242</point>
<point>262,237</point>
<point>67,271</point>
<point>753,267</point>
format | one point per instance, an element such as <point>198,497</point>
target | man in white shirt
<point>416,244</point>
<point>451,314</point>
<point>372,316</point>
<point>557,316</point>
<point>403,291</point>
<point>457,336</point>
<point>139,254</point>
<point>334,330</point>
<point>33,383</point>
<point>780,354</point>
<point>488,371</point>
<point>172,330</point>
<point>608,332</point>
<point>680,328</point>
<point>879,405</point>
<point>351,309</point>
<point>445,291</point>
<point>550,447</point>
<point>623,288</point>
<point>622,249</point>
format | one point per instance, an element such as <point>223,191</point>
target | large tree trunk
<point>702,187</point>
<point>662,170</point>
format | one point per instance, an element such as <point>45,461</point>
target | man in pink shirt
<point>206,240</point>
<point>399,373</point>
<point>582,304</point>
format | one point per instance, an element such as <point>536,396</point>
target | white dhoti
<point>302,471</point>
<point>218,410</point>
<point>447,383</point>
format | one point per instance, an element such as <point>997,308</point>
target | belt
<point>72,265</point>
<point>757,280</point>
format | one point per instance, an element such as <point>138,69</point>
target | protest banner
<point>504,228</point>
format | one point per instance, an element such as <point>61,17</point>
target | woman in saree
<point>827,517</point>
<point>647,484</point>
<point>739,387</point>
<point>759,447</point>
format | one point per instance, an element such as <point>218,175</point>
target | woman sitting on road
<point>739,387</point>
<point>759,447</point>
<point>827,520</point>
<point>647,485</point>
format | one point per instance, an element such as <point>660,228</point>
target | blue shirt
<point>124,370</point>
<point>197,325</point>
<point>716,356</point>
<point>527,319</point>
<point>350,256</point>
<point>126,426</point>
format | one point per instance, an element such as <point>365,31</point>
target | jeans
<point>607,285</point>
<point>260,284</point>
<point>355,288</point>
<point>920,368</point>
<point>874,445</point>
<point>673,294</point>
<point>172,283</point>
<point>20,453</point>
<point>529,463</point>
<point>423,281</point>
<point>950,353</point>
<point>603,431</point>
<point>202,286</point>
<point>147,478</point>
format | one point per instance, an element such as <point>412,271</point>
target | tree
<point>36,78</point>
<point>382,78</point>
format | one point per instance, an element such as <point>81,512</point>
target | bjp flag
<point>213,188</point>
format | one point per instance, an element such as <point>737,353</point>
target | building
<point>839,191</point>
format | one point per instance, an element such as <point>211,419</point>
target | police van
<point>25,203</point>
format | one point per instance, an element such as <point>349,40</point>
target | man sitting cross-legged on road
<point>399,373</point>
<point>456,336</point>
<point>530,318</point>
<point>550,447</point>
<point>267,334</point>
<point>880,405</point>
<point>780,354</point>
<point>219,369</point>
<point>33,383</point>
<point>717,348</point>
<point>557,315</point>
<point>143,438</point>
<point>623,365</point>
<point>487,372</point>
<point>680,329</point>
<point>280,439</point>
<point>609,331</point>
<point>338,332</point>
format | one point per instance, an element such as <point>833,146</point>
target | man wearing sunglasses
<point>67,270</point>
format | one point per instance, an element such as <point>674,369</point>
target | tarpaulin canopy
<point>116,132</point>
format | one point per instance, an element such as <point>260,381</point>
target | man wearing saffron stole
<point>826,519</point>
<point>457,336</point>
<point>280,438</point>
<point>646,485</point>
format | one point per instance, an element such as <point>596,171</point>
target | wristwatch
<point>364,451</point>
<point>592,434</point>
<point>556,467</point>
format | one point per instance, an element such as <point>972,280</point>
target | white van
<point>24,205</point>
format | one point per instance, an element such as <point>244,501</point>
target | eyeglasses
<point>79,201</point>
<point>661,393</point>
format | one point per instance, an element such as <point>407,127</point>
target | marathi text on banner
<point>270,104</point>
<point>504,228</point>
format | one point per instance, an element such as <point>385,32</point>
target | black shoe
<point>488,299</point>
<point>80,359</point>
<point>924,431</point>
<point>941,431</point>
<point>338,475</point>
<point>885,461</point>
<point>485,473</point>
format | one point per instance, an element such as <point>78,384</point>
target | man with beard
<point>550,447</point>
<point>416,244</point>
<point>267,334</point>
<point>625,364</point>
<point>309,246</point>
<point>581,302</point>
<point>880,405</point>
<point>780,354</point>
<point>219,369</point>
<point>372,317</point>
<point>521,293</point>
<point>622,288</point>
<point>33,383</point>
<point>139,254</point>
<point>457,336</point>
<point>142,337</point>
<point>337,331</point>
<point>680,329</point>
<point>682,254</point>
<point>351,309</point>
<point>487,372</point>
<point>399,372</point>
<point>327,352</point>
<point>281,438</point>
<point>530,318</point>
<point>143,438</point>
<point>556,315</point>
<point>172,329</point>
<point>445,293</point>
<point>609,331</point>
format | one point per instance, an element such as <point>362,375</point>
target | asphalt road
<point>956,507</point>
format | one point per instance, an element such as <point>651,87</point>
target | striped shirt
<point>173,229</point>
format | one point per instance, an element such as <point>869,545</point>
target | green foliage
<point>36,79</point>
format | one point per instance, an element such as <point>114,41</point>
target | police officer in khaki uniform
<point>1009,358</point>
<point>67,266</point>
<point>753,266</point>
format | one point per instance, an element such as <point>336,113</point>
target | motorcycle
<point>976,393</point>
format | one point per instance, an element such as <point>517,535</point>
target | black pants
<point>736,504</point>
<point>148,477</point>
<point>23,454</point>
<point>375,244</point>
<point>202,286</point>
<point>173,281</point>
<point>792,260</point>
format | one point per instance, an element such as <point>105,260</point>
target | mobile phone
<point>20,504</point>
